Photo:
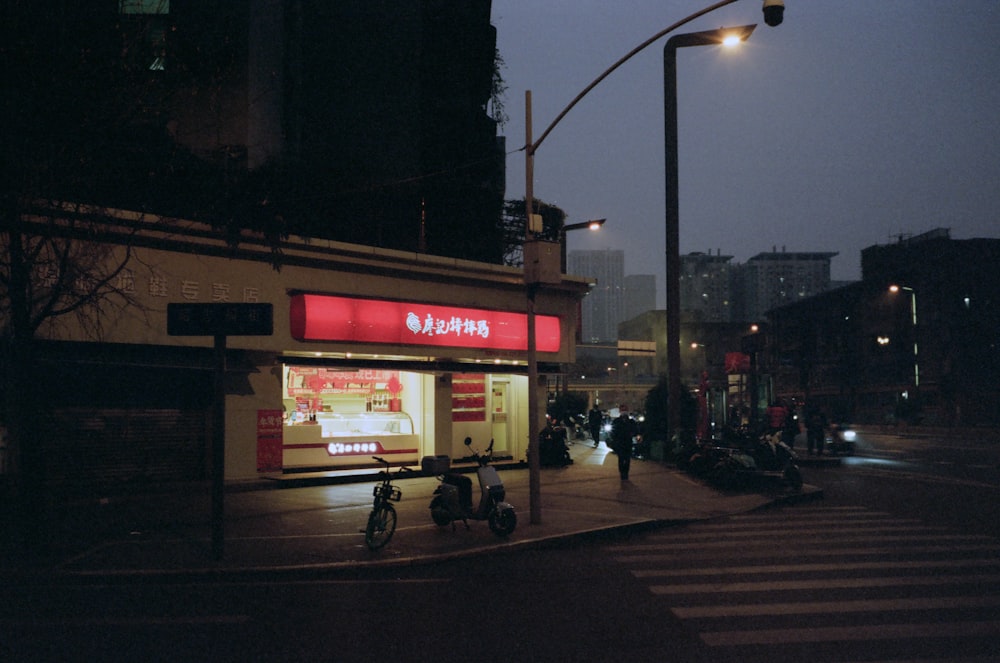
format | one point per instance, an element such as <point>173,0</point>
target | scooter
<point>552,448</point>
<point>452,500</point>
<point>769,457</point>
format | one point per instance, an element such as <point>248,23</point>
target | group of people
<point>784,420</point>
<point>624,433</point>
<point>554,450</point>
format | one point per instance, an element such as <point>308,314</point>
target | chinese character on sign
<point>85,283</point>
<point>126,281</point>
<point>158,286</point>
<point>251,295</point>
<point>453,326</point>
<point>47,275</point>
<point>220,292</point>
<point>189,289</point>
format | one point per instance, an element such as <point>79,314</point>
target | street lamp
<point>729,36</point>
<point>773,13</point>
<point>593,224</point>
<point>913,321</point>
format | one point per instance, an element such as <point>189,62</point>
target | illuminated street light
<point>593,224</point>
<point>706,38</point>
<point>773,12</point>
<point>894,288</point>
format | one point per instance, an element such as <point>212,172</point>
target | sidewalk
<point>320,526</point>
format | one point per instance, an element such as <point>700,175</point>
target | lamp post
<point>704,356</point>
<point>593,224</point>
<point>729,37</point>
<point>913,322</point>
<point>773,13</point>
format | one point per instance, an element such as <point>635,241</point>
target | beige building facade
<point>372,352</point>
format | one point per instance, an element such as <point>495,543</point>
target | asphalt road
<point>901,560</point>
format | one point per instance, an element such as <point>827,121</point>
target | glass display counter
<point>335,424</point>
<point>344,439</point>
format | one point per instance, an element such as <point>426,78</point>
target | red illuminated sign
<point>331,318</point>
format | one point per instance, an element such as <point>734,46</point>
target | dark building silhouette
<point>925,351</point>
<point>359,121</point>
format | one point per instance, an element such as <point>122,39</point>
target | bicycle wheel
<point>381,526</point>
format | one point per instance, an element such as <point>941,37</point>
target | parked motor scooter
<point>453,498</point>
<point>552,448</point>
<point>767,457</point>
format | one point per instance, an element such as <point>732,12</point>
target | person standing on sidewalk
<point>815,430</point>
<point>623,430</point>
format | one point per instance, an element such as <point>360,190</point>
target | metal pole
<point>534,458</point>
<point>672,244</point>
<point>916,356</point>
<point>672,213</point>
<point>219,449</point>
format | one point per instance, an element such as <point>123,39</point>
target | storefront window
<point>333,416</point>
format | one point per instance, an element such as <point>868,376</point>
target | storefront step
<point>363,475</point>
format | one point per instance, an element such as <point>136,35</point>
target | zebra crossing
<point>826,584</point>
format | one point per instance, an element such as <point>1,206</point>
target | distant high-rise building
<point>604,307</point>
<point>705,287</point>
<point>640,294</point>
<point>769,280</point>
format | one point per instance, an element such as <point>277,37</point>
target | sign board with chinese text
<point>221,319</point>
<point>350,319</point>
<point>269,440</point>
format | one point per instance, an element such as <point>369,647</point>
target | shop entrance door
<point>500,409</point>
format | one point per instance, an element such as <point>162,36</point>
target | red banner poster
<point>269,441</point>
<point>737,362</point>
<point>468,397</point>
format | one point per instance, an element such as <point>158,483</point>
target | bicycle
<point>382,519</point>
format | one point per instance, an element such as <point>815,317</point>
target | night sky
<point>853,123</point>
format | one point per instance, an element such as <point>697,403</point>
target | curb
<point>234,574</point>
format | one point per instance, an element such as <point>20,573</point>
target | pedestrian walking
<point>595,421</point>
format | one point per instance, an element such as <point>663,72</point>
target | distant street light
<point>913,321</point>
<point>729,36</point>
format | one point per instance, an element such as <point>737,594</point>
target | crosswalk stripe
<point>799,533</point>
<point>762,553</point>
<point>801,544</point>
<point>858,632</point>
<point>745,570</point>
<point>822,583</point>
<point>834,607</point>
<point>757,561</point>
<point>859,519</point>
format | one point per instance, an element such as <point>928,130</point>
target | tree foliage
<point>513,224</point>
<point>656,424</point>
